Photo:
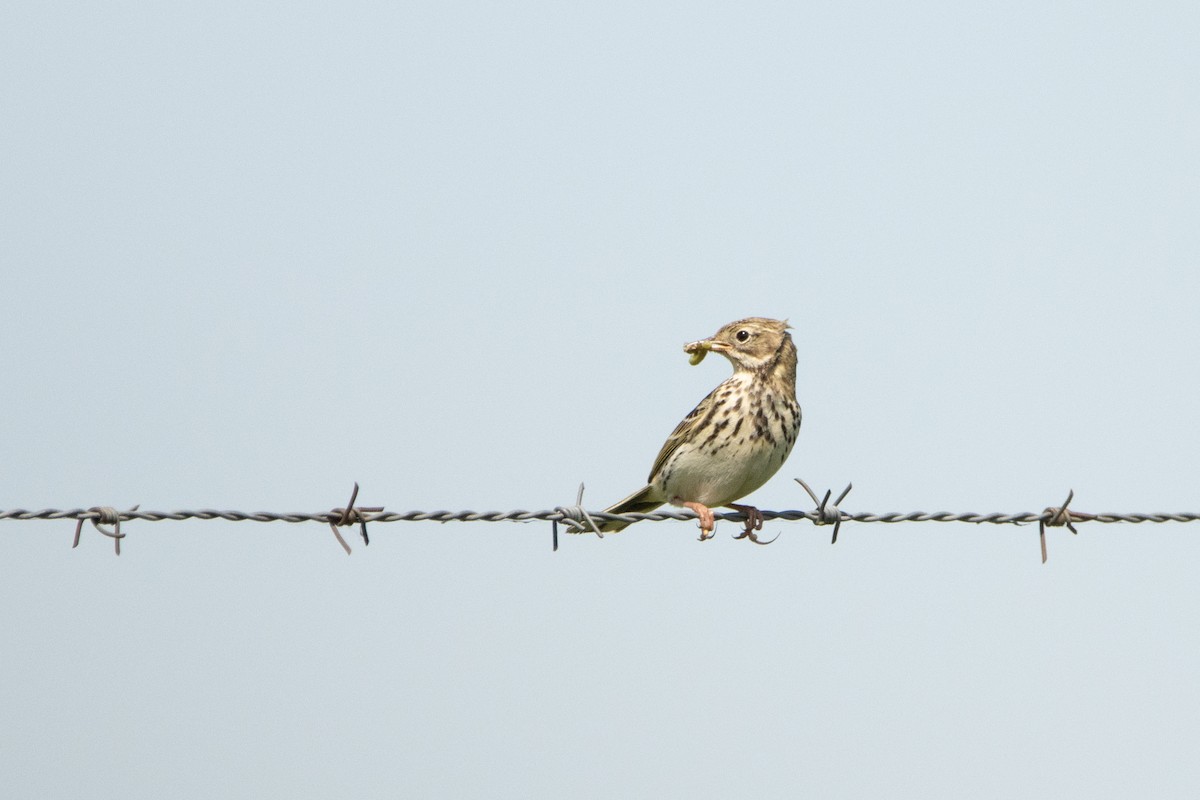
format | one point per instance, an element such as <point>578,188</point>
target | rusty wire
<point>107,520</point>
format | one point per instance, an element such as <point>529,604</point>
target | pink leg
<point>707,523</point>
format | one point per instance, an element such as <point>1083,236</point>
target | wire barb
<point>349,516</point>
<point>576,517</point>
<point>1060,516</point>
<point>100,516</point>
<point>827,513</point>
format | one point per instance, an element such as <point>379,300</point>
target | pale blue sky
<point>253,253</point>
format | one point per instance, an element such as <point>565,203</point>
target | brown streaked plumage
<point>736,438</point>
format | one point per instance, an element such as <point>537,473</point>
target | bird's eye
<point>743,335</point>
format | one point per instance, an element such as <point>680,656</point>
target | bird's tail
<point>640,502</point>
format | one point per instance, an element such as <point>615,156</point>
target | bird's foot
<point>707,523</point>
<point>754,523</point>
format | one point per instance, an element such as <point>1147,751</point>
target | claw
<point>707,523</point>
<point>752,536</point>
<point>754,517</point>
<point>754,523</point>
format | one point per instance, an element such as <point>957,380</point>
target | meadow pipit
<point>737,438</point>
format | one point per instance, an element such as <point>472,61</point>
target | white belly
<point>716,482</point>
<point>717,478</point>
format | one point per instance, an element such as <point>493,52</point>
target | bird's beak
<point>698,350</point>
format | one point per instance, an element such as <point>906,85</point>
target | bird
<point>735,439</point>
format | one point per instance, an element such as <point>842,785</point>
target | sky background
<point>252,253</point>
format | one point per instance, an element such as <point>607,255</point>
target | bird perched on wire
<point>736,438</point>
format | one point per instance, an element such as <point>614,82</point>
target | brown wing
<point>683,431</point>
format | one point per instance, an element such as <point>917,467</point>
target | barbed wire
<point>107,520</point>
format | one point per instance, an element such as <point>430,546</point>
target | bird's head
<point>752,344</point>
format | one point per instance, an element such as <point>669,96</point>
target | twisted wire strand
<point>561,515</point>
<point>577,519</point>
